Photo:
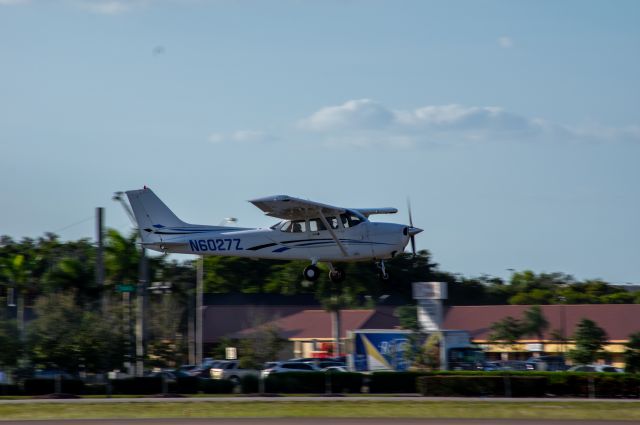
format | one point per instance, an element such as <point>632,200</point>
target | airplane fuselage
<point>364,241</point>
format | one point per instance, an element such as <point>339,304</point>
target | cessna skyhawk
<point>307,231</point>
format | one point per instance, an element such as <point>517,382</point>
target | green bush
<point>344,382</point>
<point>137,385</point>
<point>483,386</point>
<point>249,384</point>
<point>296,382</point>
<point>6,389</point>
<point>530,384</point>
<point>95,389</point>
<point>215,386</point>
<point>460,385</point>
<point>36,386</point>
<point>394,382</point>
<point>185,385</point>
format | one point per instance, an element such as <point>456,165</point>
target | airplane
<point>307,231</point>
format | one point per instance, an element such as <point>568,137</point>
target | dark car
<point>547,363</point>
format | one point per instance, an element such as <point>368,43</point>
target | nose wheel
<point>311,273</point>
<point>382,272</point>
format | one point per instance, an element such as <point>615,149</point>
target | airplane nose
<point>412,231</point>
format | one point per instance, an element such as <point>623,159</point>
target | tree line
<point>52,310</point>
<point>589,339</point>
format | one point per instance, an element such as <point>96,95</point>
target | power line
<point>73,224</point>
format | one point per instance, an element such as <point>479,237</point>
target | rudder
<point>151,213</point>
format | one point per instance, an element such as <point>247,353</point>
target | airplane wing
<point>370,211</point>
<point>290,208</point>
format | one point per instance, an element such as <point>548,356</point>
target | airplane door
<point>322,241</point>
<point>356,233</point>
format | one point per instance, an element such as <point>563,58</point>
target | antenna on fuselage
<point>227,221</point>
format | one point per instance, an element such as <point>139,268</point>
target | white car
<point>290,367</point>
<point>335,369</point>
<point>232,371</point>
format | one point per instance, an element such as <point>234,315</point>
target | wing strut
<point>333,234</point>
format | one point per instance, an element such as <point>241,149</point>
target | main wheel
<point>311,273</point>
<point>337,275</point>
<point>383,276</point>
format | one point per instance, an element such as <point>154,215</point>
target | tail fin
<point>152,215</point>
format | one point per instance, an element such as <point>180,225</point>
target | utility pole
<point>336,325</point>
<point>199,309</point>
<point>141,301</point>
<point>100,257</point>
<point>141,291</point>
<point>191,325</point>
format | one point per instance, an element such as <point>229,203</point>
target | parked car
<point>512,365</point>
<point>491,366</point>
<point>185,369</point>
<point>594,368</point>
<point>291,367</point>
<point>204,370</point>
<point>332,369</point>
<point>52,374</point>
<point>546,363</point>
<point>323,364</point>
<point>167,375</point>
<point>232,371</point>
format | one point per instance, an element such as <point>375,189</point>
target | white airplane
<point>308,231</point>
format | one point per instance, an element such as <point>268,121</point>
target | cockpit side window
<point>333,222</point>
<point>316,225</point>
<point>350,220</point>
<point>297,226</point>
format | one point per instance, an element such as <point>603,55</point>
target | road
<point>304,421</point>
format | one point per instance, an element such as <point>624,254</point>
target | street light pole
<point>199,309</point>
<point>141,301</point>
<point>100,257</point>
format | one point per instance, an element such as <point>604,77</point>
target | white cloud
<point>364,123</point>
<point>505,42</point>
<point>351,114</point>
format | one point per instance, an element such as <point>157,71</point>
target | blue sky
<point>514,127</point>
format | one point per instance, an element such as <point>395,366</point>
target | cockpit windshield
<point>351,219</point>
<point>348,219</point>
<point>296,226</point>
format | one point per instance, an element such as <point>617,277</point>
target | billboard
<point>376,349</point>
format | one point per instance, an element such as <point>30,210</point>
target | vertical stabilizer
<point>151,214</point>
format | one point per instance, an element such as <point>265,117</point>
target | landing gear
<point>382,272</point>
<point>336,275</point>
<point>311,273</point>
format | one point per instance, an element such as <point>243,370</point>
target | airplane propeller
<point>412,231</point>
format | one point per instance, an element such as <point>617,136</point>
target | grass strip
<point>328,409</point>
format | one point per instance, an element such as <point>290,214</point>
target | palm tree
<point>122,257</point>
<point>16,270</point>
<point>534,322</point>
